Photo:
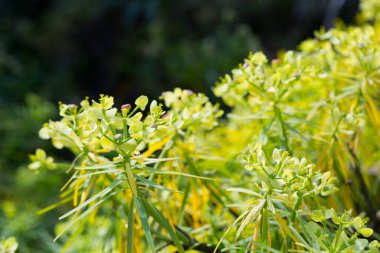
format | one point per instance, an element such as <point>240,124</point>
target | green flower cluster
<point>8,245</point>
<point>124,153</point>
<point>286,175</point>
<point>370,9</point>
<point>99,127</point>
<point>342,239</point>
<point>192,111</point>
<point>40,161</point>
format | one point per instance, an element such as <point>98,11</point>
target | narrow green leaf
<point>298,236</point>
<point>122,213</point>
<point>157,216</point>
<point>53,206</point>
<point>153,184</point>
<point>98,195</point>
<point>265,247</point>
<point>130,227</point>
<point>175,173</point>
<point>158,160</point>
<point>183,204</point>
<point>229,228</point>
<point>281,222</point>
<point>99,172</point>
<point>98,166</point>
<point>82,215</point>
<point>144,222</point>
<point>250,216</point>
<point>243,190</point>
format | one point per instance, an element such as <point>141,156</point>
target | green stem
<point>296,206</point>
<point>284,136</point>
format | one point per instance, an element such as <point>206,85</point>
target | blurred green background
<point>64,50</point>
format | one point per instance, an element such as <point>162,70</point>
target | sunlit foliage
<point>273,175</point>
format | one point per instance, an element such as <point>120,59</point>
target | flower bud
<point>141,102</point>
<point>125,109</point>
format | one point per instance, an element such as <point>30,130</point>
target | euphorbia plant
<point>177,176</point>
